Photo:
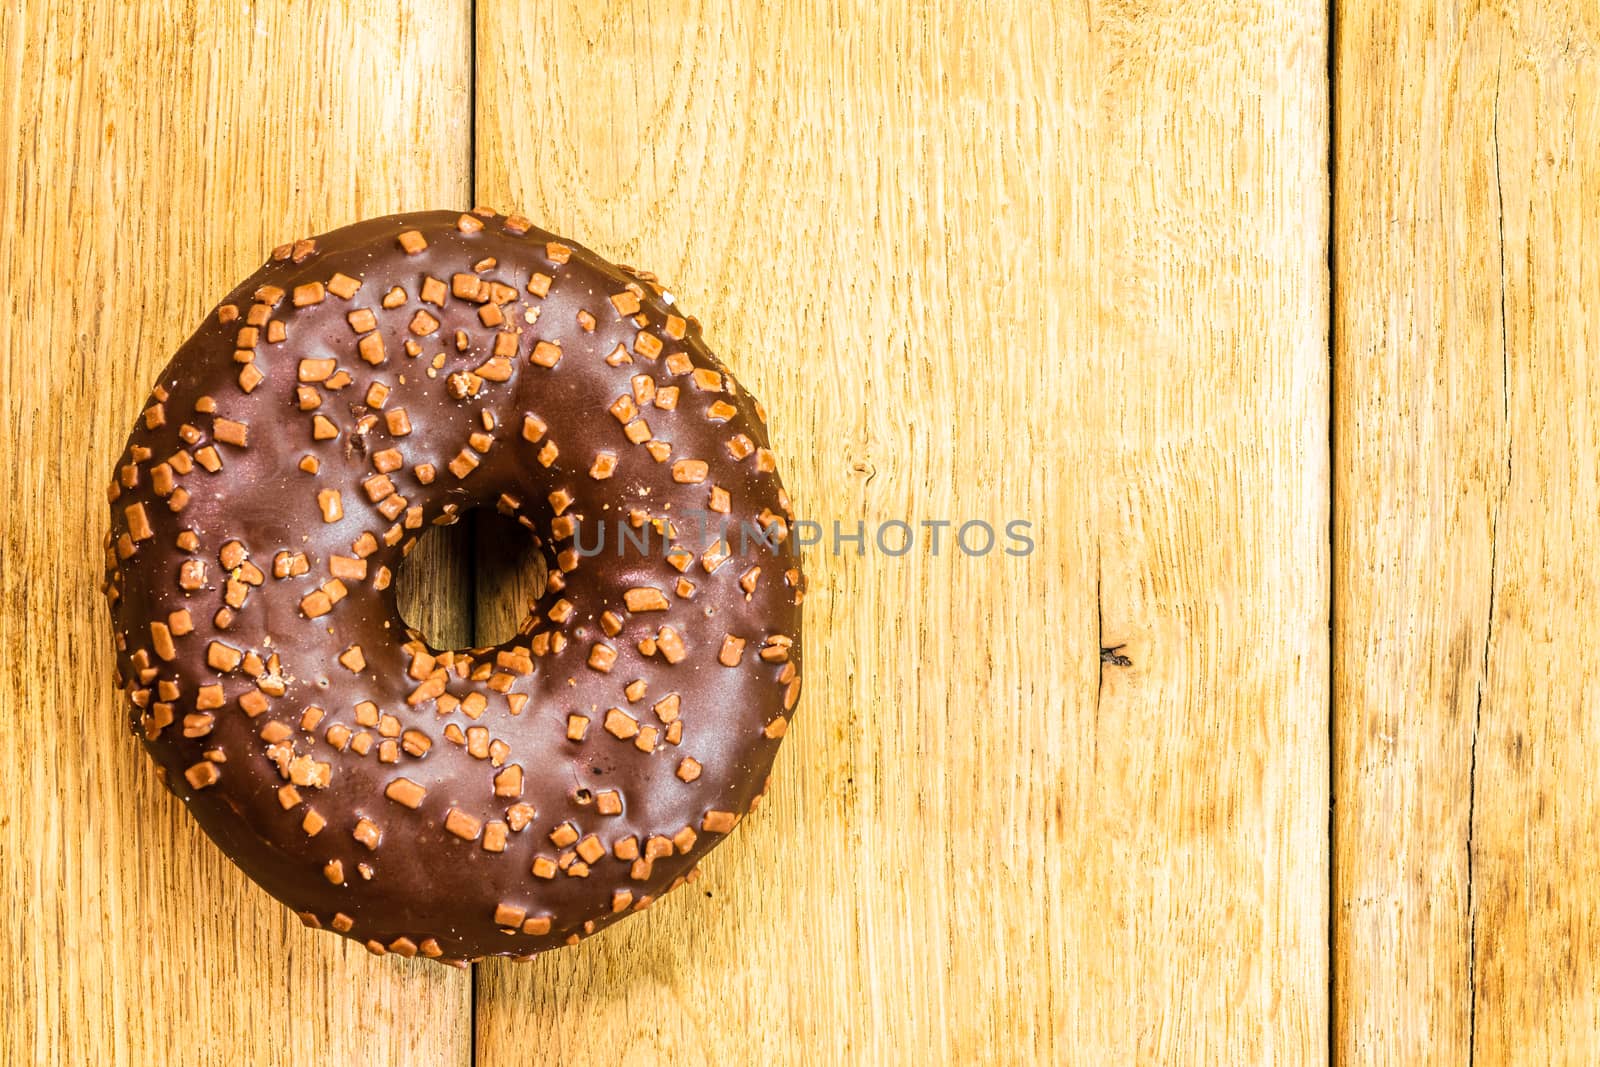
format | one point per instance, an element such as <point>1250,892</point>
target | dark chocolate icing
<point>264,768</point>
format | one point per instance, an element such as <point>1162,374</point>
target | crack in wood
<point>1494,584</point>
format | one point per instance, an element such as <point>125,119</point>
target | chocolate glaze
<point>425,882</point>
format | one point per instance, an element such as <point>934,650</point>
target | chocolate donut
<point>359,388</point>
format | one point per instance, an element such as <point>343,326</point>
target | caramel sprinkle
<point>371,349</point>
<point>591,849</point>
<point>230,432</point>
<point>645,599</point>
<point>463,825</point>
<point>138,523</point>
<point>202,774</point>
<point>343,286</point>
<point>689,471</point>
<point>620,724</point>
<point>546,354</point>
<point>718,822</point>
<point>508,783</point>
<point>223,657</point>
<point>405,791</point>
<point>367,833</point>
<point>670,645</point>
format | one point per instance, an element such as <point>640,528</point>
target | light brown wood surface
<point>150,155</point>
<point>1064,263</point>
<point>1467,881</point>
<point>1032,265</point>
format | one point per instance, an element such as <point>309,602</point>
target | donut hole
<point>473,583</point>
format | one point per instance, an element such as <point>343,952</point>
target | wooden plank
<point>150,154</point>
<point>1061,263</point>
<point>1468,249</point>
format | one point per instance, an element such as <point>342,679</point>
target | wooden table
<point>1313,445</point>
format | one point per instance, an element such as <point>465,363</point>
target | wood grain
<point>1467,713</point>
<point>150,154</point>
<point>1061,263</point>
